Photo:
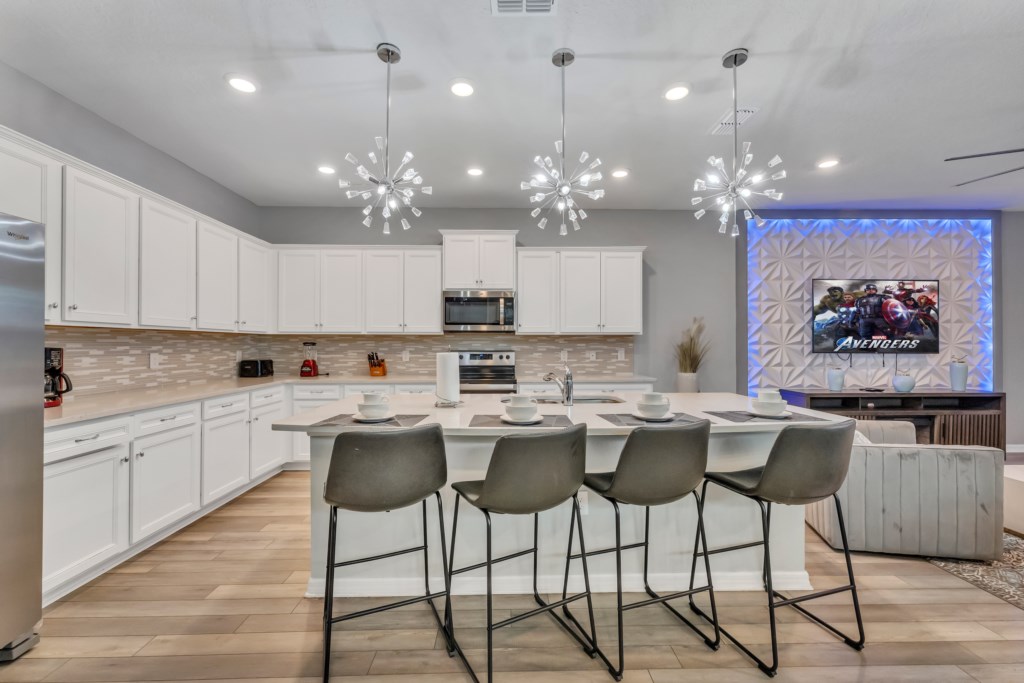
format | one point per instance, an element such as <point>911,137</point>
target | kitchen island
<point>729,519</point>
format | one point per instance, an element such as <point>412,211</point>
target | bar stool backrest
<point>530,473</point>
<point>385,469</point>
<point>659,465</point>
<point>807,463</point>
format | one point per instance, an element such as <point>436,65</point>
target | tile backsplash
<point>100,360</point>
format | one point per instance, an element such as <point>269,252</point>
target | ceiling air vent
<point>724,125</point>
<point>522,8</point>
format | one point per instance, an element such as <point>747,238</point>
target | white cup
<point>653,397</point>
<point>373,410</point>
<point>767,407</point>
<point>521,413</point>
<point>652,409</point>
<point>372,398</point>
<point>769,395</point>
<point>521,401</point>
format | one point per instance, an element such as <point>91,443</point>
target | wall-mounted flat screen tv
<point>884,315</point>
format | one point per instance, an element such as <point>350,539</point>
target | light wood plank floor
<point>222,600</point>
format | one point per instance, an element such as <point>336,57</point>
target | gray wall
<point>32,109</point>
<point>1013,323</point>
<point>689,269</point>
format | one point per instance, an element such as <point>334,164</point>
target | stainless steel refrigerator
<point>21,434</point>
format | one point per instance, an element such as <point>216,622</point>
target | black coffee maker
<point>55,382</point>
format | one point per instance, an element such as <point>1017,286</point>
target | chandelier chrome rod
<point>387,125</point>
<point>561,168</point>
<point>735,121</point>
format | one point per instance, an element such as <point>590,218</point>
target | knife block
<point>379,371</point>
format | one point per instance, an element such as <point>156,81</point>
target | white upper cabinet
<point>298,291</point>
<point>479,260</point>
<point>384,287</point>
<point>580,302</point>
<point>30,188</point>
<point>167,266</point>
<point>537,292</point>
<point>217,281</point>
<point>422,283</point>
<point>255,286</point>
<point>622,297</point>
<point>341,291</point>
<point>101,232</point>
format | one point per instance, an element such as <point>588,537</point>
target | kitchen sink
<point>579,398</point>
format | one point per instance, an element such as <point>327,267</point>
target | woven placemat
<point>348,420</point>
<point>627,420</point>
<point>550,421</point>
<point>744,416</point>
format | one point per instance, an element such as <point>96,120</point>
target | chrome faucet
<point>564,384</point>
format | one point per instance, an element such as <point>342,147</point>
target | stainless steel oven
<point>478,310</point>
<point>487,372</point>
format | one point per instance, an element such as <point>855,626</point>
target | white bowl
<point>521,413</point>
<point>652,409</point>
<point>652,398</point>
<point>374,410</point>
<point>768,407</point>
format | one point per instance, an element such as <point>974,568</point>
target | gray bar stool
<point>527,474</point>
<point>380,471</point>
<point>807,463</point>
<point>657,466</point>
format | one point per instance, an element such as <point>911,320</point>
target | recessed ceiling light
<point>462,88</point>
<point>326,170</point>
<point>473,170</point>
<point>828,163</point>
<point>240,83</point>
<point>676,92</point>
<point>620,173</point>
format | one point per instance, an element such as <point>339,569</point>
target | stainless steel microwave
<point>479,310</point>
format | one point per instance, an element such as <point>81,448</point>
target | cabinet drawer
<point>316,392</point>
<point>225,405</point>
<point>156,421</point>
<point>354,389</point>
<point>265,397</point>
<point>68,442</point>
<point>415,389</point>
<point>613,388</point>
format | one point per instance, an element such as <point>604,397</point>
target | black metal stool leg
<point>490,611</point>
<point>766,520</point>
<point>332,531</point>
<point>859,643</point>
<point>702,535</point>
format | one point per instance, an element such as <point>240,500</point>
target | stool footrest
<point>729,548</point>
<point>348,563</point>
<point>539,610</point>
<point>605,551</point>
<point>481,565</point>
<point>810,596</point>
<point>665,598</point>
<point>391,605</point>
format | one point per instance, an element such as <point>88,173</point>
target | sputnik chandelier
<point>554,186</point>
<point>388,190</point>
<point>726,191</point>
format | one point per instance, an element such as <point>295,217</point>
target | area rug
<point>1003,578</point>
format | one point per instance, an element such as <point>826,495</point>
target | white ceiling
<point>890,87</point>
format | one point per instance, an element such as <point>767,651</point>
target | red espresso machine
<point>55,382</point>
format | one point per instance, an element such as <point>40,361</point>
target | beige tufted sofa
<point>910,499</point>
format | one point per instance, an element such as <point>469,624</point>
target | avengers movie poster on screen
<point>875,316</point>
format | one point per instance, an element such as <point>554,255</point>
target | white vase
<point>958,376</point>
<point>903,383</point>
<point>686,383</point>
<point>836,378</point>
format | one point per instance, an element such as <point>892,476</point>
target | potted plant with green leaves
<point>690,355</point>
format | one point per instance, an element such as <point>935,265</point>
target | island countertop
<point>456,421</point>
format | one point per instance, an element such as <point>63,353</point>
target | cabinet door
<point>101,252</point>
<point>165,479</point>
<point>167,266</point>
<point>461,260</point>
<point>269,449</point>
<point>225,455</point>
<point>383,286</point>
<point>622,299</point>
<point>255,273</point>
<point>537,293</point>
<point>497,261</point>
<point>85,513</point>
<point>30,188</point>
<point>298,291</point>
<point>217,290</point>
<point>341,291</point>
<point>300,440</point>
<point>580,303</point>
<point>423,303</point>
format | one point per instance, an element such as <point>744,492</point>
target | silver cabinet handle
<point>194,318</point>
<point>267,396</point>
<point>73,307</point>
<point>236,322</point>
<point>256,419</point>
<point>124,459</point>
<point>168,419</point>
<point>243,322</point>
<point>226,405</point>
<point>140,454</point>
<point>53,305</point>
<point>88,438</point>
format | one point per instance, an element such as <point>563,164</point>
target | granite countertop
<point>95,406</point>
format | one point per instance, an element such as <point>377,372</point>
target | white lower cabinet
<point>165,479</point>
<point>225,455</point>
<point>300,440</point>
<point>268,449</point>
<point>85,512</point>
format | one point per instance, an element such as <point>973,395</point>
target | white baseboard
<point>523,584</point>
<point>296,466</point>
<point>1015,448</point>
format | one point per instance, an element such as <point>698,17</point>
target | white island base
<point>729,519</point>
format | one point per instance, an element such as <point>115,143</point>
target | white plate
<point>532,421</point>
<point>664,418</point>
<point>774,416</point>
<point>359,417</point>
